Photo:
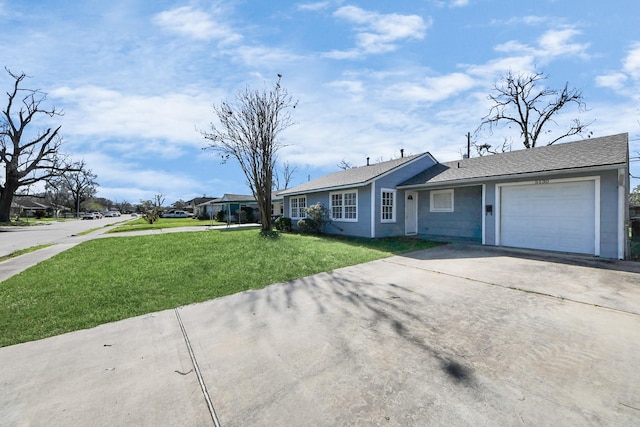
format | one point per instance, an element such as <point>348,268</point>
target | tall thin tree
<point>248,131</point>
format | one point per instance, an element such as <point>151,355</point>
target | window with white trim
<point>298,207</point>
<point>344,205</point>
<point>441,201</point>
<point>388,205</point>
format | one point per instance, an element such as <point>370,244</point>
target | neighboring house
<point>192,205</point>
<point>229,204</point>
<point>28,205</point>
<point>569,197</point>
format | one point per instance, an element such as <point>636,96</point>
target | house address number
<point>542,181</point>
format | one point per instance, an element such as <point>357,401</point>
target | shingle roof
<point>588,153</point>
<point>350,177</point>
<point>235,198</point>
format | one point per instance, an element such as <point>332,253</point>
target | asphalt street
<point>15,238</point>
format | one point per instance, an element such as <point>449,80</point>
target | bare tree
<point>27,157</point>
<point>79,184</point>
<point>248,131</point>
<point>152,209</point>
<point>287,175</point>
<point>345,165</point>
<point>524,101</point>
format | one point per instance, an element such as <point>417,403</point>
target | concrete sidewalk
<point>455,335</point>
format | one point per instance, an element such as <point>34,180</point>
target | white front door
<point>411,213</point>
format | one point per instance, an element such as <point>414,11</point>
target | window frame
<point>433,193</point>
<point>343,207</point>
<point>297,198</point>
<point>394,203</point>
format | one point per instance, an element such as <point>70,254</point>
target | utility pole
<point>468,145</point>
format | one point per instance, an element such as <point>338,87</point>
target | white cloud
<point>451,3</point>
<point>498,67</point>
<point>551,44</point>
<point>319,5</point>
<point>351,86</point>
<point>631,64</point>
<point>190,22</point>
<point>558,43</point>
<point>96,114</point>
<point>262,56</point>
<point>514,46</point>
<point>433,89</point>
<point>380,33</point>
<point>531,20</point>
<point>132,181</point>
<point>613,81</point>
<point>625,81</point>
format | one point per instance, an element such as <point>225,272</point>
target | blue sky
<point>137,78</point>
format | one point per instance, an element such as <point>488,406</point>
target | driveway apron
<point>454,335</point>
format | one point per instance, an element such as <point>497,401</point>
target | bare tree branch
<point>522,102</point>
<point>27,158</point>
<point>345,165</point>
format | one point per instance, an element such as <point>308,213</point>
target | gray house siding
<point>464,222</point>
<point>390,181</point>
<point>489,218</point>
<point>609,214</point>
<point>361,228</point>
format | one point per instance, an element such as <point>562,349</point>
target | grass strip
<point>105,280</point>
<point>23,251</point>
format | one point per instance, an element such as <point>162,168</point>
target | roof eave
<point>474,181</point>
<point>362,183</point>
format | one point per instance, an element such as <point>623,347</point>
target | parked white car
<point>176,214</point>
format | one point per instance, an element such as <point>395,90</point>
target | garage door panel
<point>553,216</point>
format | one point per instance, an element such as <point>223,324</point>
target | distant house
<point>229,204</point>
<point>28,205</point>
<point>568,197</point>
<point>192,205</point>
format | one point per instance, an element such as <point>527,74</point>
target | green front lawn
<point>105,280</point>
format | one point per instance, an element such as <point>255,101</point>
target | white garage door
<point>557,216</point>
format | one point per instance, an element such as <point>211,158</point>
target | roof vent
<point>367,161</point>
<point>401,152</point>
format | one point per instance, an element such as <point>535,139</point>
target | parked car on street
<point>88,215</point>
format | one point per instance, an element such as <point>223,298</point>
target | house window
<point>298,207</point>
<point>388,205</point>
<point>344,206</point>
<point>441,201</point>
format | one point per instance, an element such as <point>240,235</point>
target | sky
<point>137,80</point>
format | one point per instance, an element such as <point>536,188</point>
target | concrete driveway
<point>457,335</point>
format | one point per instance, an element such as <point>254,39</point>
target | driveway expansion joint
<point>196,369</point>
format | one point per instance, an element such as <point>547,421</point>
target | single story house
<point>569,197</point>
<point>28,206</point>
<point>229,204</point>
<point>192,205</point>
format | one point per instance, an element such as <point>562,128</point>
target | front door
<point>411,213</point>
